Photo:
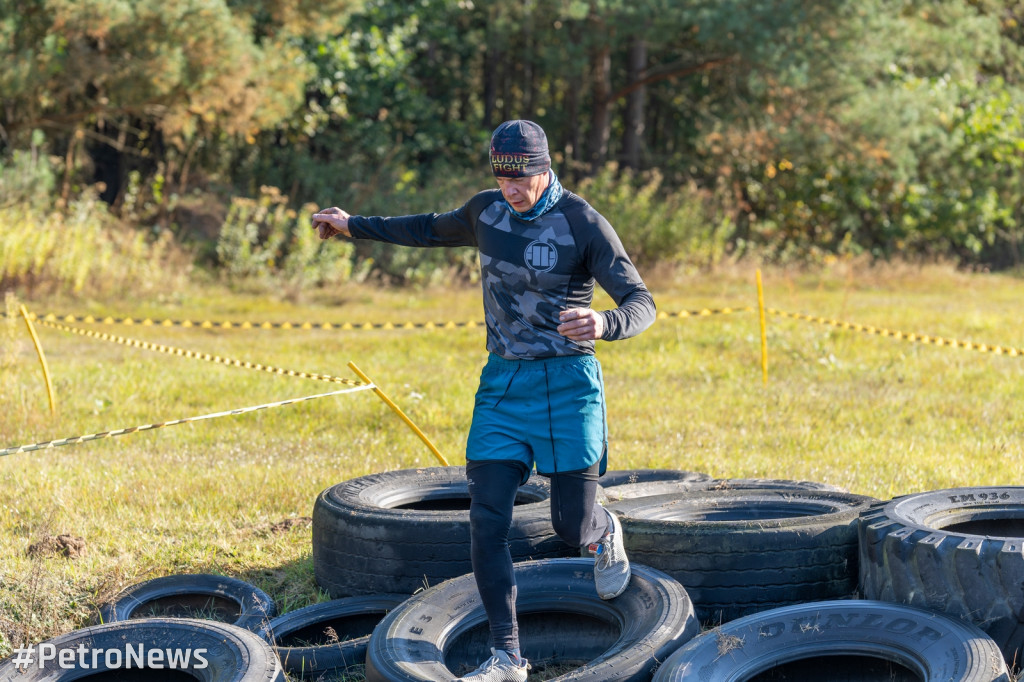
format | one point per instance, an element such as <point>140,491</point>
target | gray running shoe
<point>499,668</point>
<point>611,565</point>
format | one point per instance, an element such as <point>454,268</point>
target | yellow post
<point>399,412</point>
<point>764,330</point>
<point>42,358</point>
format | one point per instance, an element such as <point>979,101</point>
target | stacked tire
<point>771,567</point>
<point>401,531</point>
<point>747,549</point>
<point>174,627</point>
<point>958,552</point>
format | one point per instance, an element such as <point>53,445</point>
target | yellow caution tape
<point>149,427</point>
<point>905,336</point>
<point>346,326</point>
<point>704,312</point>
<point>227,324</point>
<point>145,345</point>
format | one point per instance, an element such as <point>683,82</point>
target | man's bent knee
<point>571,530</point>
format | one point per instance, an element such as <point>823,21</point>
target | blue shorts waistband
<point>498,362</point>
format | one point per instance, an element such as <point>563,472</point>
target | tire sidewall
<point>255,606</point>
<point>373,497</point>
<point>931,645</point>
<point>620,477</point>
<point>741,551</point>
<point>314,659</point>
<point>218,652</point>
<point>911,552</point>
<point>926,510</point>
<point>372,535</point>
<point>655,614</point>
<point>651,488</point>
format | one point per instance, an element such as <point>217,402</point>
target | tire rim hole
<point>1003,528</point>
<point>331,631</point>
<point>549,640</point>
<point>203,606</point>
<point>851,668</point>
<point>746,512</point>
<point>452,502</point>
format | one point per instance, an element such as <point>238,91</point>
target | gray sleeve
<point>611,266</point>
<point>455,228</point>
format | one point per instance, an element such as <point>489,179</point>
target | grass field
<point>876,415</point>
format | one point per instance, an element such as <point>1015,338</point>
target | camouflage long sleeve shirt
<point>532,270</point>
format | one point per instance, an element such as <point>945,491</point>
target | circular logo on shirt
<point>540,256</point>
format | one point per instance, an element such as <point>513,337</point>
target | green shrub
<point>265,242</point>
<point>78,249</point>
<point>397,192</point>
<point>28,177</point>
<point>922,168</point>
<point>83,250</point>
<point>656,224</point>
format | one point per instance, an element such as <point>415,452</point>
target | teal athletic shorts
<point>548,412</point>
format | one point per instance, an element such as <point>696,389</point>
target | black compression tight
<point>575,516</point>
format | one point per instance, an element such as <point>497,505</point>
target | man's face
<point>523,193</point>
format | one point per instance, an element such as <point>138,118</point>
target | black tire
<point>650,488</point>
<point>217,652</point>
<point>618,477</point>
<point>216,597</point>
<point>326,637</point>
<point>957,551</point>
<point>742,551</point>
<point>839,641</point>
<point>768,483</point>
<point>442,632</point>
<point>400,531</point>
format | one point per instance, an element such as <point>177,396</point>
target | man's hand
<point>330,222</point>
<point>581,324</point>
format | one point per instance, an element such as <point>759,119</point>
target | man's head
<point>519,148</point>
<point>520,162</point>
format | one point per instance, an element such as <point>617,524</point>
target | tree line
<point>794,129</point>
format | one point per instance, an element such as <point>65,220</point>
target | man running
<point>540,402</point>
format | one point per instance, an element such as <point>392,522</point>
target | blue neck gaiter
<point>546,202</point>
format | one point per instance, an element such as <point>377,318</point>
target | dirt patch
<point>286,525</point>
<point>65,545</point>
<point>200,216</point>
